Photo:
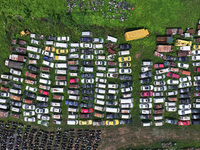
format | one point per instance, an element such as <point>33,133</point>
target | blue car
<point>71,103</point>
<point>47,58</point>
<point>87,75</point>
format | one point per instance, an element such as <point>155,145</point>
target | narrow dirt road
<point>114,138</point>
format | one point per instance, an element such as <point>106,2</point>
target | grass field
<point>155,15</point>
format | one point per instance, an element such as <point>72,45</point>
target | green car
<point>42,122</point>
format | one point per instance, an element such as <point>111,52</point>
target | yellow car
<point>87,122</point>
<point>50,49</point>
<point>196,47</point>
<point>123,59</point>
<point>61,51</point>
<point>183,43</point>
<point>125,64</point>
<point>112,123</point>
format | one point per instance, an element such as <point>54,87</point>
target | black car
<point>84,91</point>
<point>87,86</point>
<point>87,51</point>
<point>85,39</point>
<point>32,68</point>
<point>87,75</point>
<point>195,116</point>
<point>126,84</point>
<point>124,46</point>
<point>172,87</point>
<point>17,86</point>
<point>89,105</point>
<point>125,121</point>
<point>185,101</point>
<point>51,38</point>
<point>87,62</point>
<point>87,98</point>
<point>42,104</point>
<point>112,116</point>
<point>145,81</point>
<point>195,122</point>
<point>197,88</point>
<point>183,59</point>
<point>111,97</point>
<point>126,77</point>
<point>187,95</point>
<point>86,116</point>
<point>185,90</point>
<point>195,111</point>
<point>15,103</point>
<point>29,94</point>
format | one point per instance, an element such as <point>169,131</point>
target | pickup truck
<point>164,48</point>
<point>17,58</point>
<point>13,64</point>
<point>174,31</point>
<point>15,97</point>
<point>184,53</point>
<point>30,82</point>
<point>31,75</point>
<point>164,40</point>
<point>20,50</point>
<point>20,42</point>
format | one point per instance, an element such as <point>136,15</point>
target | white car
<point>196,78</point>
<point>185,79</point>
<point>146,87</point>
<point>146,100</point>
<point>112,75</point>
<point>159,77</point>
<point>31,119</point>
<point>46,53</point>
<point>156,94</point>
<point>43,117</point>
<point>172,81</point>
<point>18,79</point>
<point>50,64</point>
<point>29,113</point>
<point>127,89</point>
<point>184,106</point>
<point>171,109</point>
<point>161,71</point>
<point>160,82</point>
<point>184,111</point>
<point>42,110</point>
<point>35,42</point>
<point>125,71</point>
<point>101,80</point>
<point>195,52</point>
<point>56,104</point>
<point>32,89</point>
<point>160,88</point>
<point>86,45</point>
<point>145,111</point>
<point>4,94</point>
<point>45,75</point>
<point>170,104</point>
<point>15,91</point>
<point>196,57</point>
<point>15,72</point>
<point>87,80</point>
<point>182,65</point>
<point>171,93</point>
<point>196,64</point>
<point>90,56</point>
<point>33,56</point>
<point>185,84</point>
<point>145,105</point>
<point>186,117</point>
<point>101,63</point>
<point>28,107</point>
<point>146,68</point>
<point>55,109</point>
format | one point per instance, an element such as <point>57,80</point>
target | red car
<point>74,80</point>
<point>146,94</point>
<point>45,92</point>
<point>158,65</point>
<point>184,123</point>
<point>87,110</point>
<point>197,69</point>
<point>173,75</point>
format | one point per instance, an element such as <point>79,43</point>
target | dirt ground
<point>115,138</point>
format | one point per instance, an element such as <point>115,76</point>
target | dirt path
<point>114,138</point>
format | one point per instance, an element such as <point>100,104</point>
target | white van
<point>49,64</point>
<point>112,86</point>
<point>100,102</point>
<point>44,81</point>
<point>4,106</point>
<point>33,49</point>
<point>158,117</point>
<point>59,71</point>
<point>72,122</point>
<point>72,109</point>
<point>112,69</point>
<point>112,110</point>
<point>87,34</point>
<point>72,116</point>
<point>74,97</point>
<point>3,100</point>
<point>159,99</point>
<point>100,91</point>
<point>97,46</point>
<point>87,69</point>
<point>3,76</point>
<point>48,42</point>
<point>61,45</point>
<point>99,108</point>
<point>113,91</point>
<point>99,74</point>
<point>146,123</point>
<point>15,109</point>
<point>61,65</point>
<point>42,98</point>
<point>158,123</point>
<point>127,100</point>
<point>74,44</point>
<point>185,48</point>
<point>112,39</point>
<point>99,85</point>
<point>126,116</point>
<point>101,57</point>
<point>122,53</point>
<point>100,96</point>
<point>57,90</point>
<point>99,68</point>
